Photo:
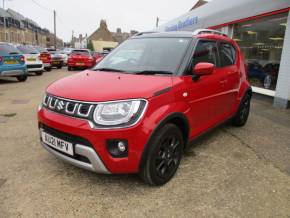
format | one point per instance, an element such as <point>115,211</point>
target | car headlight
<point>119,113</point>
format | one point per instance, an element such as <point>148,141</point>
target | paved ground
<point>231,172</point>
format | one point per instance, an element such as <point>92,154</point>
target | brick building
<point>102,38</point>
<point>21,30</point>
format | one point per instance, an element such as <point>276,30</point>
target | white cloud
<point>84,16</point>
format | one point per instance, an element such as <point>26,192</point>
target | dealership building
<point>262,30</point>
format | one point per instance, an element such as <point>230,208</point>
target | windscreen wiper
<point>109,69</point>
<point>152,72</point>
<point>13,53</point>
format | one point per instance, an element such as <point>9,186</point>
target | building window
<point>261,41</point>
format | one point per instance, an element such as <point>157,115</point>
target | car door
<point>229,66</point>
<point>206,95</point>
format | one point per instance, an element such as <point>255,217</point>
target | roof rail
<point>200,31</point>
<point>143,33</point>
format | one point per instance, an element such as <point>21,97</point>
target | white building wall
<point>282,96</point>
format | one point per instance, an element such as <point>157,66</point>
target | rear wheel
<point>242,115</point>
<point>69,68</point>
<point>48,69</point>
<point>22,78</point>
<point>39,73</point>
<point>164,155</point>
<point>59,67</point>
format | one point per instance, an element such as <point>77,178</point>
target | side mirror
<point>203,68</point>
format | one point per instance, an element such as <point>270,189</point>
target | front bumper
<point>72,64</point>
<point>95,165</point>
<point>79,132</point>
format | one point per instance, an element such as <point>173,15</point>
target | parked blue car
<point>12,63</point>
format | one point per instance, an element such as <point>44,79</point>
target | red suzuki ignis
<point>138,109</point>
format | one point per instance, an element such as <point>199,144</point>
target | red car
<point>45,57</point>
<point>80,58</point>
<point>139,108</point>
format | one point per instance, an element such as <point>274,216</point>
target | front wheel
<point>22,78</point>
<point>163,156</point>
<point>242,114</point>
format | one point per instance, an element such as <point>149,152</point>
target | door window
<point>205,51</point>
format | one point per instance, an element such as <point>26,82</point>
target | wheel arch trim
<point>176,115</point>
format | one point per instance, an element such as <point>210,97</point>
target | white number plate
<point>57,143</point>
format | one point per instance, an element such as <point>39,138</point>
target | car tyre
<point>59,67</point>
<point>163,156</point>
<point>243,112</point>
<point>22,78</point>
<point>48,69</point>
<point>39,73</point>
<point>69,68</point>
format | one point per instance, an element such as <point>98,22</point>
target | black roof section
<point>175,34</point>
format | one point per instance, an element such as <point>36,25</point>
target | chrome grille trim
<point>86,114</point>
<point>74,109</point>
<point>63,106</point>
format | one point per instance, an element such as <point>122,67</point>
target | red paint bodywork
<point>209,101</point>
<point>45,57</point>
<point>78,60</point>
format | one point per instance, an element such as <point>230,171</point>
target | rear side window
<point>205,51</point>
<point>227,54</point>
<point>6,49</point>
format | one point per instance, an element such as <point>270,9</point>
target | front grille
<point>34,66</point>
<point>69,107</point>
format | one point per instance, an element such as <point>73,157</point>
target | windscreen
<point>27,50</point>
<point>80,52</point>
<point>8,49</point>
<point>147,54</point>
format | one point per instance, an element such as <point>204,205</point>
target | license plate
<point>11,62</point>
<point>56,62</point>
<point>57,143</point>
<point>80,64</point>
<point>31,59</point>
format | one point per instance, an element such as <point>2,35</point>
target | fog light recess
<point>117,148</point>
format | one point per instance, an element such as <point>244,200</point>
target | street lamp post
<point>5,22</point>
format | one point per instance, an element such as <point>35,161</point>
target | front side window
<point>147,54</point>
<point>205,51</point>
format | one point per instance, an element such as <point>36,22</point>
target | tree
<point>90,45</point>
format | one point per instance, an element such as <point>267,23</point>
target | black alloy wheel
<point>243,112</point>
<point>164,155</point>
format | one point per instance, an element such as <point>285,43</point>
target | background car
<point>80,58</point>
<point>64,57</point>
<point>33,62</point>
<point>12,63</point>
<point>45,56</point>
<point>56,59</point>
